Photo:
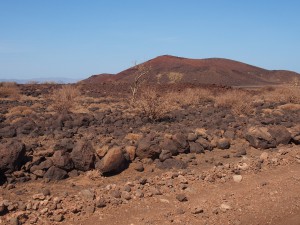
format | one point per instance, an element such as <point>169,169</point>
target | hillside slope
<point>171,69</point>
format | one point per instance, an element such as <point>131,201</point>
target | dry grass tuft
<point>9,90</point>
<point>190,96</point>
<point>65,99</point>
<point>19,111</point>
<point>284,94</point>
<point>240,102</point>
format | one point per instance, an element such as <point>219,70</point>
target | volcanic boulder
<point>12,156</point>
<point>259,137</point>
<point>83,156</point>
<point>113,162</point>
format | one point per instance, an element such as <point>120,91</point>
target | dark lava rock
<point>223,143</point>
<point>171,164</point>
<point>181,197</point>
<point>12,156</point>
<point>55,173</point>
<point>8,132</point>
<point>83,156</point>
<point>196,147</point>
<point>280,134</point>
<point>169,145</point>
<point>165,154</point>
<point>147,149</point>
<point>62,160</point>
<point>181,139</point>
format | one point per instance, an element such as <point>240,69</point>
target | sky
<point>77,38</point>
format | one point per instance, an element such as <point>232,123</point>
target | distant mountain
<point>170,69</point>
<point>60,80</point>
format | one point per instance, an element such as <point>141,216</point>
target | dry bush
<point>19,111</point>
<point>237,100</point>
<point>190,96</point>
<point>9,90</point>
<point>151,104</point>
<point>64,99</point>
<point>284,94</point>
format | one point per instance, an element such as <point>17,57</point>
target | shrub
<point>151,104</point>
<point>9,90</point>
<point>64,99</point>
<point>238,101</point>
<point>284,94</point>
<point>190,96</point>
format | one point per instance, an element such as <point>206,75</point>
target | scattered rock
<point>181,197</point>
<point>113,161</point>
<point>83,156</point>
<point>139,167</point>
<point>55,173</point>
<point>197,210</point>
<point>237,178</point>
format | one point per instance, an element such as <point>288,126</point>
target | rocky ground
<point>103,164</point>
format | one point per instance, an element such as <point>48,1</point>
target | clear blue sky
<point>77,38</point>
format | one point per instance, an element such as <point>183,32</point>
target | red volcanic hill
<point>171,69</point>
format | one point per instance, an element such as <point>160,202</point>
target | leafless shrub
<point>9,90</point>
<point>237,100</point>
<point>139,78</point>
<point>152,104</point>
<point>64,99</point>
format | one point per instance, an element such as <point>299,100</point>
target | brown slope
<point>99,78</point>
<point>168,69</point>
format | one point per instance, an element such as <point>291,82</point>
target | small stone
<point>139,167</point>
<point>182,179</point>
<point>14,221</point>
<point>46,192</point>
<point>126,195</point>
<point>264,156</point>
<point>90,209</point>
<point>197,210</point>
<point>224,207</point>
<point>181,197</point>
<point>180,211</point>
<point>100,203</point>
<point>116,194</point>
<point>44,210</point>
<point>143,181</point>
<point>244,166</point>
<point>237,178</point>
<point>58,218</point>
<point>39,196</point>
<point>88,194</point>
<point>127,188</point>
<point>139,194</point>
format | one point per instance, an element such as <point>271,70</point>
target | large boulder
<point>83,156</point>
<point>295,132</point>
<point>280,134</point>
<point>259,137</point>
<point>182,143</point>
<point>113,162</point>
<point>169,145</point>
<point>55,173</point>
<point>147,149</point>
<point>12,156</point>
<point>62,160</point>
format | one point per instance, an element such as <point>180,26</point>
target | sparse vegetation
<point>240,102</point>
<point>283,94</point>
<point>9,90</point>
<point>139,78</point>
<point>152,104</point>
<point>65,99</point>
